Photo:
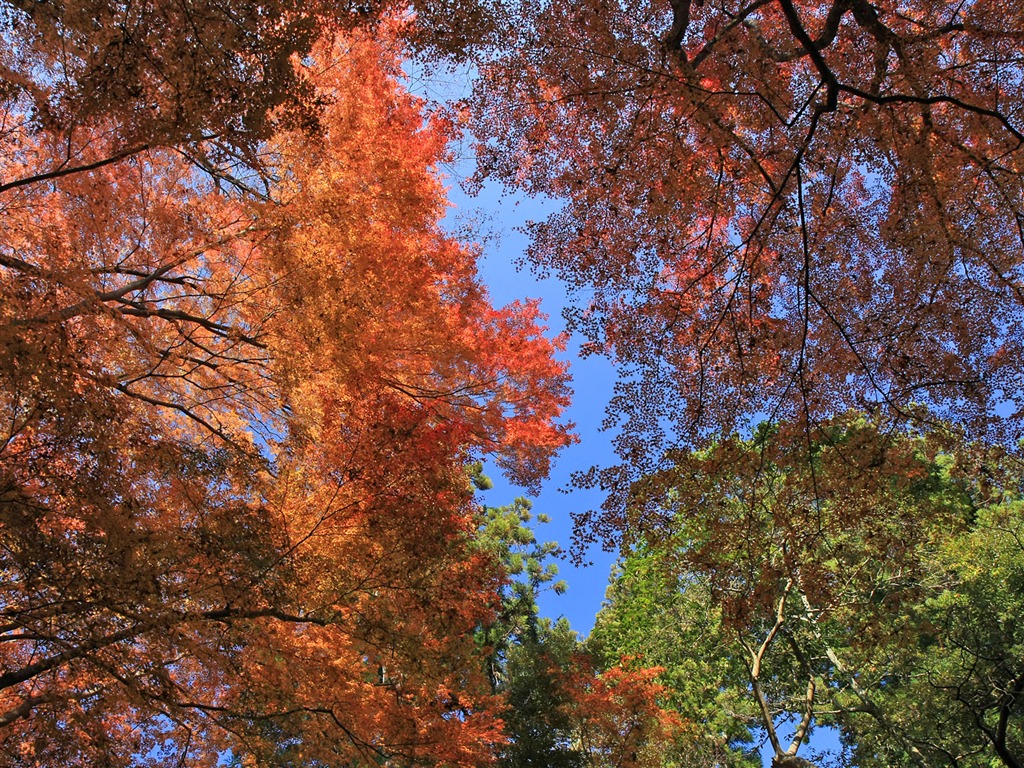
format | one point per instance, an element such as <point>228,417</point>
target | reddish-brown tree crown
<point>776,209</point>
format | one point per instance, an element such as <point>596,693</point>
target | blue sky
<point>500,217</point>
<point>493,219</point>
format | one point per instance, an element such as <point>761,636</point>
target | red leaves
<point>781,210</point>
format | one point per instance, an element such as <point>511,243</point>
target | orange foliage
<point>233,510</point>
<point>616,715</point>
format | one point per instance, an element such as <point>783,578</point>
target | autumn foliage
<point>566,707</point>
<point>774,209</point>
<point>244,372</point>
<point>234,514</point>
<point>795,227</point>
<point>211,79</point>
<point>874,589</point>
<point>617,716</point>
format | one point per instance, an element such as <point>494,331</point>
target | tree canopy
<point>773,208</point>
<point>233,500</point>
<point>214,80</point>
<point>247,378</point>
<point>565,705</point>
<point>775,611</point>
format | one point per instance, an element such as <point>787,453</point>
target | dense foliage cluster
<point>781,208</point>
<point>877,590</point>
<point>246,380</point>
<point>234,513</point>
